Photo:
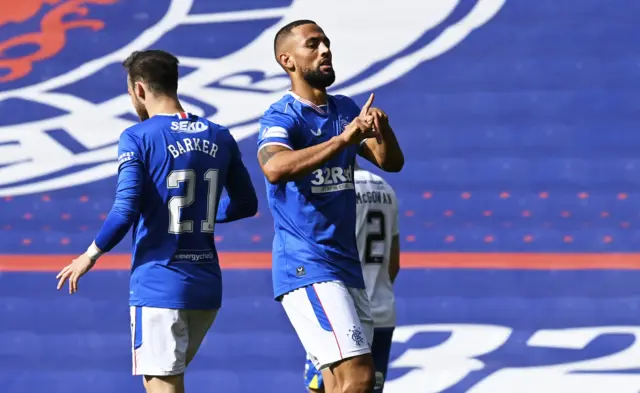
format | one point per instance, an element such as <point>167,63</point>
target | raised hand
<point>379,117</point>
<point>359,129</point>
<point>367,105</point>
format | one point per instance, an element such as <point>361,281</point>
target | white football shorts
<point>164,341</point>
<point>332,321</point>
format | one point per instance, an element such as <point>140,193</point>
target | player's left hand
<point>380,118</point>
<point>73,271</point>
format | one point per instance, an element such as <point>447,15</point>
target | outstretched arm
<point>125,207</point>
<point>123,213</point>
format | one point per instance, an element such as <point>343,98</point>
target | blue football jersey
<point>315,216</point>
<point>187,161</point>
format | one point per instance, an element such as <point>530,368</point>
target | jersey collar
<point>323,110</point>
<point>179,115</point>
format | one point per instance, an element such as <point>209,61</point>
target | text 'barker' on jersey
<point>188,144</point>
<point>187,162</point>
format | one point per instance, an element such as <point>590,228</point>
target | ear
<point>286,61</point>
<point>140,90</point>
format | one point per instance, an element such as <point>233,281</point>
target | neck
<point>311,94</point>
<point>163,104</point>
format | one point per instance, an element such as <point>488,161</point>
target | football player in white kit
<point>379,248</point>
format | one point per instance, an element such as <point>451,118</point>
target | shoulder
<point>370,180</point>
<point>222,134</point>
<point>366,176</point>
<point>342,99</point>
<point>215,127</point>
<point>386,187</point>
<point>147,127</point>
<point>382,183</point>
<point>281,112</point>
<point>130,144</point>
<point>134,133</point>
<point>345,103</point>
<point>280,121</point>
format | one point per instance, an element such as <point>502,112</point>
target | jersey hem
<point>283,290</point>
<point>175,306</point>
<point>265,144</point>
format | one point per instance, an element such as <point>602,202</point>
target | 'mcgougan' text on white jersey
<point>376,225</point>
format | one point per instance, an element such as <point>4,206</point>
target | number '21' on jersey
<point>187,162</point>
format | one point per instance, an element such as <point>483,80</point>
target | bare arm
<point>280,164</point>
<point>383,151</point>
<point>394,258</point>
<point>386,155</point>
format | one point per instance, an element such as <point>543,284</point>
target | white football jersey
<point>376,225</point>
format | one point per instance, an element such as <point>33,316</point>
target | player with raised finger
<point>307,146</point>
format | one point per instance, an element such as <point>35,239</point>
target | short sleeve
<point>129,149</point>
<point>276,129</point>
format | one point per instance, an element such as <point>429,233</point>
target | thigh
<point>325,318</point>
<point>198,324</point>
<point>380,349</point>
<point>159,341</point>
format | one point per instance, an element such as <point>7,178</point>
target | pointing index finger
<point>367,105</point>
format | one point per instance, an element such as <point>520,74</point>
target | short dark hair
<point>157,68</point>
<point>286,30</point>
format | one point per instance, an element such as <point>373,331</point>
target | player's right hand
<point>73,271</point>
<point>362,127</point>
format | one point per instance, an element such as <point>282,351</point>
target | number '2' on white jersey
<point>376,225</point>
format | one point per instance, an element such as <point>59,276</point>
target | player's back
<point>376,225</point>
<point>186,160</point>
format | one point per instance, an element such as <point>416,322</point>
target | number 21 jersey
<point>187,162</point>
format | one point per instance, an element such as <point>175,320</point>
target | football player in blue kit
<point>378,236</point>
<point>307,146</point>
<point>172,167</point>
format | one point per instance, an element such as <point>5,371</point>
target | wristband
<point>94,252</point>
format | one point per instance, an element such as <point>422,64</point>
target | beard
<point>140,110</point>
<point>319,79</point>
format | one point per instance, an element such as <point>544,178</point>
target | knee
<point>164,384</point>
<point>361,381</point>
